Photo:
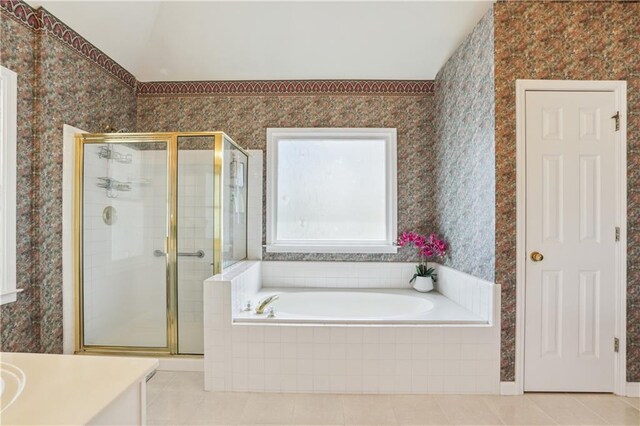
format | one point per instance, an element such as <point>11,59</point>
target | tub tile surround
<point>346,359</point>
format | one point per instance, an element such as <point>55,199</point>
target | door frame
<point>619,88</point>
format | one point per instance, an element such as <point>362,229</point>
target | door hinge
<point>616,344</point>
<point>617,233</point>
<point>617,118</point>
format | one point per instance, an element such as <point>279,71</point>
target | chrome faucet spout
<point>264,303</point>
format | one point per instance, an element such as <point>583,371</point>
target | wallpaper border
<point>41,20</point>
<point>286,87</point>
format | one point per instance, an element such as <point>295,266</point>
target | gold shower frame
<point>171,141</point>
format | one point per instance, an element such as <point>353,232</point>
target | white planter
<point>423,284</point>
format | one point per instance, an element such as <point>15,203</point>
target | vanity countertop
<point>70,389</point>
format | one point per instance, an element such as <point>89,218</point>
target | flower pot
<point>423,284</point>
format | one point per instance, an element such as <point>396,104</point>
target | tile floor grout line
<point>539,407</point>
<point>604,421</point>
<point>442,409</point>
<point>344,418</point>
<point>625,400</point>
<point>393,410</point>
<point>484,401</point>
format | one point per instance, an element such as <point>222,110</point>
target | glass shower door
<point>125,198</point>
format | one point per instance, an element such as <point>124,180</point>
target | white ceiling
<point>237,40</point>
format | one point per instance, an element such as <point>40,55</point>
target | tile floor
<point>177,398</point>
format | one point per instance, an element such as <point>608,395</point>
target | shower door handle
<point>199,253</point>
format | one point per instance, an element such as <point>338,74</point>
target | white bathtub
<point>336,333</point>
<point>361,306</point>
<point>350,305</point>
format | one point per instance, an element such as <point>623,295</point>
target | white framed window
<point>331,190</point>
<point>8,159</point>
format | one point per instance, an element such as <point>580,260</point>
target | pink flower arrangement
<point>428,247</point>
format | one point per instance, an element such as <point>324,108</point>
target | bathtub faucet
<point>263,304</point>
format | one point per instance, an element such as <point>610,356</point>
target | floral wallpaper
<point>81,94</point>
<point>563,40</point>
<point>20,321</point>
<point>65,84</point>
<point>464,190</point>
<point>246,119</point>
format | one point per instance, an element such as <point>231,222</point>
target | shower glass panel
<point>156,215</point>
<point>195,236</point>
<point>124,212</point>
<point>234,212</point>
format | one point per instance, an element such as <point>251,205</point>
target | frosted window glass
<point>331,189</point>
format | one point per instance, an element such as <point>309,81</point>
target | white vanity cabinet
<point>78,389</point>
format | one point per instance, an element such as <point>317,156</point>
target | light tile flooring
<point>177,398</point>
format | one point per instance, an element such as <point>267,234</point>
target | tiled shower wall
<point>464,151</point>
<point>566,41</point>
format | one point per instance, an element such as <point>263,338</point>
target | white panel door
<point>570,207</point>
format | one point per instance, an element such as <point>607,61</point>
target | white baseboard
<point>181,364</point>
<point>633,389</point>
<point>508,388</point>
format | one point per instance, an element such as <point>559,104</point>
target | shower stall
<point>155,215</point>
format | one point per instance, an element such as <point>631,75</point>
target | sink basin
<point>12,381</point>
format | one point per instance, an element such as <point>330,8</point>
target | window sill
<point>294,248</point>
<point>10,296</point>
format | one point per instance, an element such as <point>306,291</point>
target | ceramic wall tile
<point>344,359</point>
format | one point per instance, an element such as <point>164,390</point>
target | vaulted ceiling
<point>237,40</point>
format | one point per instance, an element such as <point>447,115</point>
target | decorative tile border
<point>41,20</point>
<point>287,87</point>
